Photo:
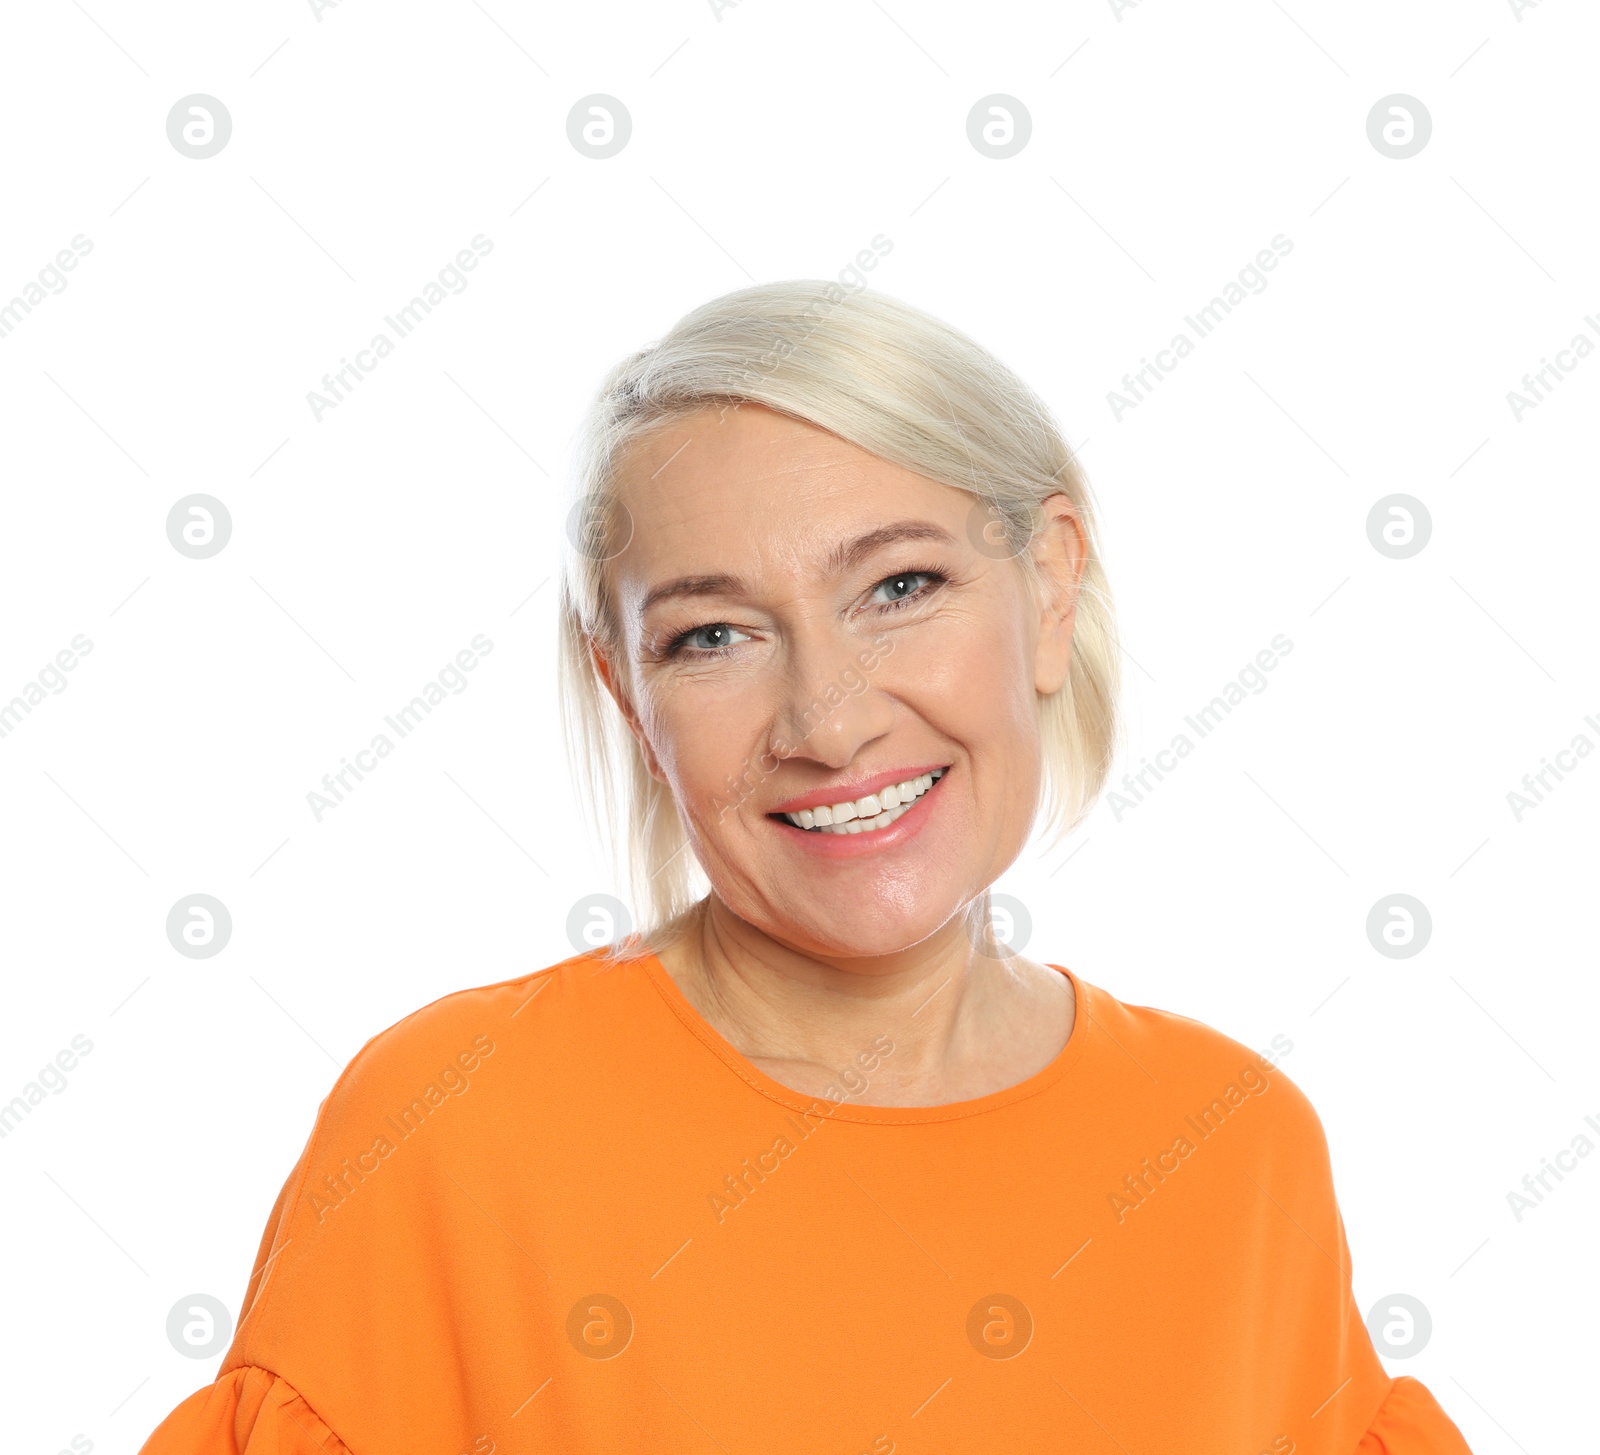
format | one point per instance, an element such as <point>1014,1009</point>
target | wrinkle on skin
<point>797,959</point>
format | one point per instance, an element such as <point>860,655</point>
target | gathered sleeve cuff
<point>1410,1422</point>
<point>248,1411</point>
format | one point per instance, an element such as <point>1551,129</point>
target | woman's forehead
<point>703,501</point>
<point>734,443</point>
<point>752,470</point>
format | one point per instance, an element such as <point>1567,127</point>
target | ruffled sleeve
<point>1410,1422</point>
<point>248,1411</point>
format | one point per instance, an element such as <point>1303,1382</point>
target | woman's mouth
<point>864,815</point>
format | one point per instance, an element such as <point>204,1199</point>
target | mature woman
<point>815,1162</point>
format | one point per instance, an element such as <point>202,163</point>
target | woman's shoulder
<point>455,1070</point>
<point>443,1090</point>
<point>1178,1056</point>
<point>451,1038</point>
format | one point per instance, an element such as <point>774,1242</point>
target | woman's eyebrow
<point>719,585</point>
<point>843,557</point>
<point>854,552</point>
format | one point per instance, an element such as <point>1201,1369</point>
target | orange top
<point>563,1214</point>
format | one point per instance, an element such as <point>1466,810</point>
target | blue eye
<point>709,640</point>
<point>907,586</point>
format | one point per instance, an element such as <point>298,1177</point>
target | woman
<point>815,1162</point>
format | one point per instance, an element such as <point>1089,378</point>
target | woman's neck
<point>961,1022</point>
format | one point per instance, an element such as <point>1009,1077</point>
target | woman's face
<point>804,624</point>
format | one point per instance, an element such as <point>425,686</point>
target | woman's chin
<point>833,931</point>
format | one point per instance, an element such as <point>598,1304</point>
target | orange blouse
<point>563,1214</point>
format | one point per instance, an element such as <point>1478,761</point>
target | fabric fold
<point>248,1411</point>
<point>1410,1422</point>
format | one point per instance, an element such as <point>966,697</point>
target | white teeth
<point>875,811</point>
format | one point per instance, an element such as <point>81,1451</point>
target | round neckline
<point>758,1080</point>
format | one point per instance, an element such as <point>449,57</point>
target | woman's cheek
<point>944,659</point>
<point>703,741</point>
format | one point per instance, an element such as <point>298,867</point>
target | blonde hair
<point>893,381</point>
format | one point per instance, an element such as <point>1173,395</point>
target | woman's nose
<point>832,706</point>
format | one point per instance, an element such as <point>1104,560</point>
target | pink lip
<point>868,841</point>
<point>850,792</point>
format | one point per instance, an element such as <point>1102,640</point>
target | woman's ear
<point>1060,548</point>
<point>605,670</point>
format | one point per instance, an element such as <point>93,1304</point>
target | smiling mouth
<point>864,815</point>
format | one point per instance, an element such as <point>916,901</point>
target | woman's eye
<point>711,638</point>
<point>902,587</point>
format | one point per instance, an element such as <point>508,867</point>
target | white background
<point>1170,143</point>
